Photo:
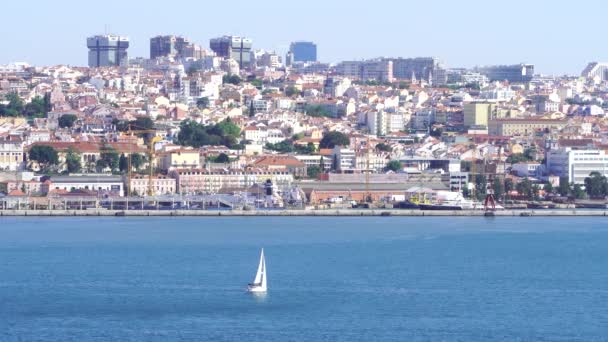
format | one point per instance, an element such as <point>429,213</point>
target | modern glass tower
<point>108,51</point>
<point>236,48</point>
<point>304,51</point>
<point>168,46</point>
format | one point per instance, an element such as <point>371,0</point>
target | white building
<point>12,155</point>
<point>101,183</point>
<point>576,164</point>
<point>381,123</point>
<point>345,159</point>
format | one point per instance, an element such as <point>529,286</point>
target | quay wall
<point>328,213</point>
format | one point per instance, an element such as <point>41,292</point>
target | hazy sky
<point>557,36</point>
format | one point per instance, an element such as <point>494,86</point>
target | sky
<point>559,37</point>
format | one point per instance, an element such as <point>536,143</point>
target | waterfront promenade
<point>327,212</point>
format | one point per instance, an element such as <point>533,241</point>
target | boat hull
<point>256,289</point>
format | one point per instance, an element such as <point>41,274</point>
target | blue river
<point>330,279</point>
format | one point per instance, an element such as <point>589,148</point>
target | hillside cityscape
<point>231,125</point>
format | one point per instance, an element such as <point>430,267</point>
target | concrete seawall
<point>327,213</point>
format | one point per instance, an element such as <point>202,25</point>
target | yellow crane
<point>151,154</point>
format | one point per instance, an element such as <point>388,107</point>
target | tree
<point>548,188</point>
<point>291,91</point>
<point>524,188</point>
<point>517,158</point>
<point>67,120</point>
<point>123,163</point>
<point>394,165</point>
<point>232,79</point>
<point>436,132</point>
<point>222,158</point>
<point>499,188</point>
<point>142,123</point>
<point>284,146</point>
<point>509,186</point>
<point>226,128</point>
<point>313,171</point>
<point>72,161</point>
<point>308,149</point>
<point>578,191</point>
<point>333,139</point>
<point>196,135</point>
<point>45,156</point>
<point>109,159</point>
<point>202,103</point>
<point>382,147</point>
<point>256,83</point>
<point>37,108</point>
<point>14,108</point>
<point>317,111</point>
<point>596,185</point>
<point>481,183</point>
<point>137,160</point>
<point>564,188</point>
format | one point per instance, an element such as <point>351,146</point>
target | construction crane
<point>151,153</point>
<point>368,194</point>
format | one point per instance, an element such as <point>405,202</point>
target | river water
<point>330,279</point>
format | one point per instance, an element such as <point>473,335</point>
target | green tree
<point>137,160</point>
<point>67,120</point>
<point>123,163</point>
<point>548,188</point>
<point>499,188</point>
<point>222,158</point>
<point>313,171</point>
<point>564,188</point>
<point>226,128</point>
<point>317,111</point>
<point>596,185</point>
<point>232,79</point>
<point>142,123</point>
<point>37,108</point>
<point>517,158</point>
<point>382,147</point>
<point>73,161</point>
<point>436,132</point>
<point>45,156</point>
<point>308,149</point>
<point>481,183</point>
<point>202,103</point>
<point>14,108</point>
<point>394,165</point>
<point>285,146</point>
<point>292,91</point>
<point>578,191</point>
<point>524,188</point>
<point>197,135</point>
<point>509,186</point>
<point>109,158</point>
<point>257,83</point>
<point>333,139</point>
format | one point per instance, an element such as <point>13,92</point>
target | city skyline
<point>462,35</point>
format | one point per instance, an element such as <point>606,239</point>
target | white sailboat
<point>259,284</point>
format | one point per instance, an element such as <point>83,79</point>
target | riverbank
<point>328,213</point>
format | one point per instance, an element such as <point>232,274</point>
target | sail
<point>260,276</point>
<point>263,282</point>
